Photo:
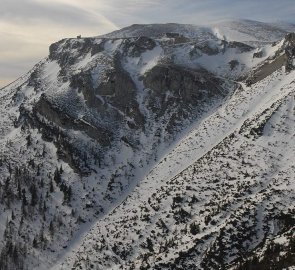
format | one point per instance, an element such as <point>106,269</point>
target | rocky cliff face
<point>81,131</point>
<point>283,58</point>
<point>290,51</point>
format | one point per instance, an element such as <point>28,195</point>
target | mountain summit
<point>160,146</point>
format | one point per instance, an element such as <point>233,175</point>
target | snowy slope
<point>217,156</point>
<point>142,149</point>
<point>251,31</point>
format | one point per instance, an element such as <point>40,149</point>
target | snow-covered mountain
<point>235,30</point>
<point>152,147</point>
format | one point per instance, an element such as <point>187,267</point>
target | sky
<point>28,27</point>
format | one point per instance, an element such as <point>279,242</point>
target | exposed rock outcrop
<point>284,57</point>
<point>290,51</point>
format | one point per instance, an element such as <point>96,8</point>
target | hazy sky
<point>28,27</point>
